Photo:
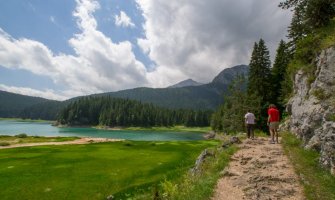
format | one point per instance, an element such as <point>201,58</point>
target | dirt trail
<point>259,171</point>
<point>79,141</point>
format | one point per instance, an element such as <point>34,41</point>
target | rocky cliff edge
<point>312,108</point>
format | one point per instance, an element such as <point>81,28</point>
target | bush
<point>330,117</point>
<point>4,144</point>
<point>320,94</point>
<point>22,135</point>
<point>308,48</point>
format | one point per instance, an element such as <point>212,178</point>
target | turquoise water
<point>11,127</point>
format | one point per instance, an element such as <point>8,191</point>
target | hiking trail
<point>84,140</point>
<point>259,171</point>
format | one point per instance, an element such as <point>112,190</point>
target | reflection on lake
<point>11,127</point>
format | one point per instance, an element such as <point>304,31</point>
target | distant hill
<point>186,83</point>
<point>11,105</point>
<point>202,97</point>
<point>22,106</point>
<point>227,75</point>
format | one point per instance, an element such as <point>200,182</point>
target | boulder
<point>201,158</point>
<point>210,135</point>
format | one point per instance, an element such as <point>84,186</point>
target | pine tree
<point>279,72</point>
<point>308,15</point>
<point>260,72</point>
<point>297,29</point>
<point>260,81</point>
<point>230,116</point>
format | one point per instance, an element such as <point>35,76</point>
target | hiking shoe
<point>272,142</point>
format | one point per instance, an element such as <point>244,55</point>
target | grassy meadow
<point>94,171</point>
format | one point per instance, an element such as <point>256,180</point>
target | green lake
<point>12,127</point>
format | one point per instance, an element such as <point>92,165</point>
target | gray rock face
<point>186,83</point>
<point>228,74</point>
<point>312,109</point>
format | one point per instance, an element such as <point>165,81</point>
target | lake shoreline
<point>180,133</point>
<point>27,120</point>
<point>133,128</point>
<point>177,128</point>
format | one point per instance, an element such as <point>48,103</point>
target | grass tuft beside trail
<point>318,183</point>
<point>202,185</point>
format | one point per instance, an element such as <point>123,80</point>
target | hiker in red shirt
<point>273,122</point>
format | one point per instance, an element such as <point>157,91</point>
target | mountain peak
<point>185,83</point>
<point>228,74</point>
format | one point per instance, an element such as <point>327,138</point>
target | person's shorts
<point>274,125</point>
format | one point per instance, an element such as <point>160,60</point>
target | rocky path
<point>259,171</point>
<point>79,141</point>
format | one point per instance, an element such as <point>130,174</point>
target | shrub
<point>330,117</point>
<point>128,144</point>
<point>4,144</point>
<point>21,135</point>
<point>308,48</point>
<point>320,94</point>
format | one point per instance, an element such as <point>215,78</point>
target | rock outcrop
<point>312,108</point>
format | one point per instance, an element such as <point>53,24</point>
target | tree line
<point>268,84</point>
<point>262,86</point>
<point>108,111</point>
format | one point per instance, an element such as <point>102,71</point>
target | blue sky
<point>59,49</point>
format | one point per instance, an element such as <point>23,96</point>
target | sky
<point>59,49</point>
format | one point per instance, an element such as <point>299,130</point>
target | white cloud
<point>52,19</point>
<point>49,94</point>
<point>185,39</point>
<point>197,39</point>
<point>99,64</point>
<point>123,20</point>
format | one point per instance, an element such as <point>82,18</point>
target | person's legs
<point>252,131</point>
<point>272,135</point>
<point>276,132</point>
<point>272,132</point>
<point>248,130</point>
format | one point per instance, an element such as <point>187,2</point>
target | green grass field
<point>93,171</point>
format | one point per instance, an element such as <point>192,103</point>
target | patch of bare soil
<point>259,171</point>
<point>79,141</point>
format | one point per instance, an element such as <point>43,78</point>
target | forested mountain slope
<point>11,105</point>
<point>203,97</point>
